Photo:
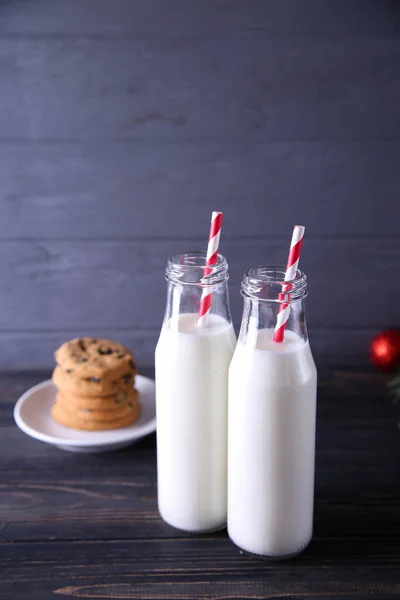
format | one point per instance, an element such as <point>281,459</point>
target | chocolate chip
<point>127,377</point>
<point>120,398</point>
<point>81,345</point>
<point>132,365</point>
<point>69,370</point>
<point>104,351</point>
<point>93,379</point>
<point>81,359</point>
<point>114,382</point>
<point>120,355</point>
<point>93,341</point>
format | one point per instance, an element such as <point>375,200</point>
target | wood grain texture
<point>209,18</point>
<point>48,285</point>
<point>124,124</point>
<point>87,526</point>
<point>264,88</point>
<point>189,569</point>
<point>34,349</point>
<point>51,291</point>
<point>143,188</point>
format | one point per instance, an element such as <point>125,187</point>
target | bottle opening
<point>190,268</point>
<point>267,283</point>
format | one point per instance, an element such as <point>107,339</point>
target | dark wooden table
<point>87,526</point>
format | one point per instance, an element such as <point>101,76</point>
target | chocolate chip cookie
<point>99,413</point>
<point>95,379</point>
<point>88,423</point>
<point>91,386</point>
<point>91,358</point>
<point>103,403</point>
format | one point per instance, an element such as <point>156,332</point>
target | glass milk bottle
<point>192,361</point>
<point>271,431</point>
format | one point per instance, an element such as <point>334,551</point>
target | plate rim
<point>149,427</point>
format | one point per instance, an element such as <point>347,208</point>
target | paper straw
<point>290,274</point>
<point>211,259</point>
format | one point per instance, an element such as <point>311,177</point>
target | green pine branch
<point>394,387</point>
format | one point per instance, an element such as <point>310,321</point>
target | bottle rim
<point>266,283</point>
<point>189,268</point>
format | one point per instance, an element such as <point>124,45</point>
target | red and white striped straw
<point>211,259</point>
<point>290,274</point>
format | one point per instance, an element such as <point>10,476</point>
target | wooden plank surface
<point>203,568</point>
<point>86,526</point>
<point>121,89</point>
<point>35,348</point>
<point>110,190</point>
<point>51,291</point>
<point>209,18</point>
<point>125,123</point>
<point>47,285</point>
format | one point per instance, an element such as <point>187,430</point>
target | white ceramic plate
<point>32,415</point>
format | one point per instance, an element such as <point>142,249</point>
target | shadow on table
<point>363,521</point>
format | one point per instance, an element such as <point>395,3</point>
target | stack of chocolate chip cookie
<point>95,379</point>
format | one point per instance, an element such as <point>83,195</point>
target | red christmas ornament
<point>385,350</point>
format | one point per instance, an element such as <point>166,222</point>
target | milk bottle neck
<point>265,294</point>
<point>190,279</point>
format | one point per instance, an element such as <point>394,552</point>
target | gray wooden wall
<point>124,123</point>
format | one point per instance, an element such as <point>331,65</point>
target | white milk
<point>272,407</point>
<point>192,396</point>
